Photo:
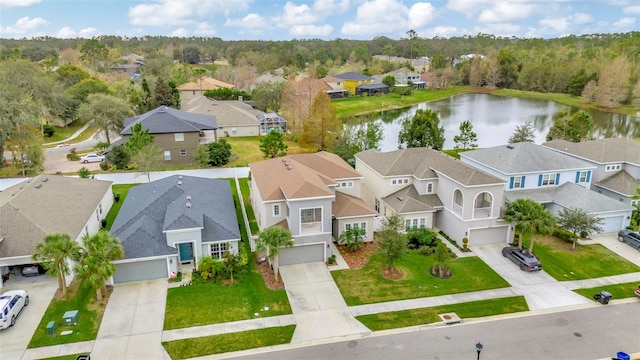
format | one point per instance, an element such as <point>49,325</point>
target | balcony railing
<point>311,228</point>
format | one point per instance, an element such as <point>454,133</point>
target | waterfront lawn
<point>246,150</point>
<point>473,309</point>
<point>366,285</point>
<point>217,344</point>
<point>618,291</point>
<point>585,262</point>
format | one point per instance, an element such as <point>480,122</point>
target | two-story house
<point>315,196</point>
<point>431,189</point>
<point>553,179</point>
<point>616,161</point>
<point>197,88</point>
<point>351,80</point>
<point>406,77</point>
<point>177,133</point>
<point>173,221</point>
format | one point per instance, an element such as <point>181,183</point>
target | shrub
<point>332,259</point>
<point>465,244</point>
<point>565,235</point>
<point>48,130</point>
<point>422,237</point>
<point>101,146</point>
<point>584,234</point>
<point>84,173</point>
<point>210,268</point>
<point>72,156</point>
<point>104,166</point>
<point>426,250</point>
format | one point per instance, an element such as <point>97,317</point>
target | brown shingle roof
<point>423,163</point>
<point>227,113</point>
<point>350,206</point>
<point>621,182</point>
<point>602,151</point>
<point>205,83</point>
<point>407,200</point>
<point>31,210</point>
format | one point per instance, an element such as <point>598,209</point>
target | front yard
<point>618,291</point>
<point>366,285</point>
<point>585,262</point>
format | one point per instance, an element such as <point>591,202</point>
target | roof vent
<point>162,109</point>
<point>179,177</point>
<point>179,182</point>
<point>400,198</point>
<point>45,179</point>
<point>509,147</point>
<point>188,205</point>
<point>38,186</point>
<point>284,160</point>
<point>188,197</point>
<point>289,167</point>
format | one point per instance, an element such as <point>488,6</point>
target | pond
<point>495,118</point>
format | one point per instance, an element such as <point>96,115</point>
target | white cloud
<point>468,7</point>
<point>635,9</point>
<point>582,18</point>
<point>624,22</point>
<point>250,21</point>
<point>421,14</point>
<point>181,32</point>
<point>297,15</point>
<point>388,16</point>
<point>204,28</point>
<point>24,25</point>
<point>311,30</point>
<point>181,12</point>
<point>506,12</point>
<point>66,33</point>
<point>499,29</point>
<point>442,31</point>
<point>558,24</point>
<point>88,32</point>
<point>18,3</point>
<point>327,7</point>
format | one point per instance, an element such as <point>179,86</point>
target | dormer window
<point>613,167</point>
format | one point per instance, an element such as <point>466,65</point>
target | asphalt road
<point>591,333</point>
<point>55,159</point>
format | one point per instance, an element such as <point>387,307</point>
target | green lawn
<point>618,291</point>
<point>62,133</point>
<point>246,150</point>
<point>585,262</point>
<point>217,344</point>
<point>89,318</point>
<point>244,188</point>
<point>64,357</point>
<point>366,285</point>
<point>123,190</point>
<point>473,309</point>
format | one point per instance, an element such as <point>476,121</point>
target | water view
<point>494,119</point>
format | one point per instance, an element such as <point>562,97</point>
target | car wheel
<point>26,301</point>
<point>504,253</point>
<point>85,162</point>
<point>13,320</point>
<point>522,267</point>
<point>620,238</point>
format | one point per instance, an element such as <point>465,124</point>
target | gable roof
<point>524,157</point>
<point>424,163</point>
<point>602,151</point>
<point>346,206</point>
<point>205,83</point>
<point>621,182</point>
<point>407,200</point>
<point>570,195</point>
<point>166,120</point>
<point>44,205</point>
<point>227,113</point>
<point>353,76</point>
<point>402,72</point>
<point>300,176</point>
<point>162,205</point>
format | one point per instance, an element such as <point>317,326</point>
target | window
<point>86,230</point>
<point>183,152</point>
<point>98,215</point>
<point>100,208</point>
<point>178,136</point>
<point>311,215</point>
<point>517,182</point>
<point>635,202</point>
<point>583,176</point>
<point>410,224</point>
<point>361,225</point>
<point>233,131</point>
<point>399,181</point>
<point>345,184</point>
<point>218,249</point>
<point>276,209</point>
<point>548,179</point>
<point>376,205</point>
<point>613,167</point>
<point>429,188</point>
<point>194,92</point>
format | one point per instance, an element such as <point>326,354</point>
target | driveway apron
<point>318,307</point>
<point>540,290</point>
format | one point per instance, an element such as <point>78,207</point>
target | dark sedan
<point>630,237</point>
<point>522,257</point>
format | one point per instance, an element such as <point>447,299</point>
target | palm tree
<point>53,252</point>
<point>272,239</point>
<point>353,237</point>
<point>412,34</point>
<point>530,218</point>
<point>95,266</point>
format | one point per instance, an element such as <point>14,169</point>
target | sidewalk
<point>73,136</point>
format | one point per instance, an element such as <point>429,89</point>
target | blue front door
<point>186,252</point>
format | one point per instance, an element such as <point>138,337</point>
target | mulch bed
<point>395,274</point>
<point>269,278</point>
<point>359,258</point>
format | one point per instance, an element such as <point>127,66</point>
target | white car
<point>11,305</point>
<point>92,158</point>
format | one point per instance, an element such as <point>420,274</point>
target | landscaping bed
<point>360,257</point>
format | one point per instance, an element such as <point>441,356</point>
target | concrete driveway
<point>41,289</point>
<point>132,323</point>
<point>539,289</point>
<point>318,307</point>
<point>610,241</point>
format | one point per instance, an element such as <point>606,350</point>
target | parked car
<point>630,237</point>
<point>637,292</point>
<point>32,270</point>
<point>92,158</point>
<point>11,305</point>
<point>522,257</point>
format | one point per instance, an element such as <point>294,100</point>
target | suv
<point>630,237</point>
<point>11,305</point>
<point>522,257</point>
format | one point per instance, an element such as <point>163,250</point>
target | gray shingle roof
<point>227,113</point>
<point>372,86</point>
<point>621,182</point>
<point>602,151</point>
<point>353,76</point>
<point>423,163</point>
<point>165,120</point>
<point>570,195</point>
<point>150,209</point>
<point>407,200</point>
<point>46,205</point>
<point>524,157</point>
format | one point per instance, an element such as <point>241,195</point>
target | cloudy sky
<point>324,19</point>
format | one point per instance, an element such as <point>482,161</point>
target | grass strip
<point>617,291</point>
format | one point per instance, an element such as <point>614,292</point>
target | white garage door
<point>141,270</point>
<point>301,254</point>
<point>612,224</point>
<point>484,236</point>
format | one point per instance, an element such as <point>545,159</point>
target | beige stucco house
<point>197,88</point>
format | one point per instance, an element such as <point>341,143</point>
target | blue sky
<point>324,19</point>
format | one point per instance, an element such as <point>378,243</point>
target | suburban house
<point>265,78</point>
<point>616,161</point>
<point>372,89</point>
<point>197,88</point>
<point>351,80</point>
<point>555,180</point>
<point>171,222</point>
<point>177,133</point>
<point>405,77</point>
<point>233,117</point>
<point>315,196</point>
<point>44,205</point>
<point>431,189</point>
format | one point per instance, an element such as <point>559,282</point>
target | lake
<point>495,118</point>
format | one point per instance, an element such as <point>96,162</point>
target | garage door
<point>612,224</point>
<point>301,254</point>
<point>141,270</point>
<point>493,235</point>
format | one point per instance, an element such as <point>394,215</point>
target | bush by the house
<point>417,238</point>
<point>565,235</point>
<point>48,130</point>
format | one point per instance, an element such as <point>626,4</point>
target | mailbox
<point>70,317</point>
